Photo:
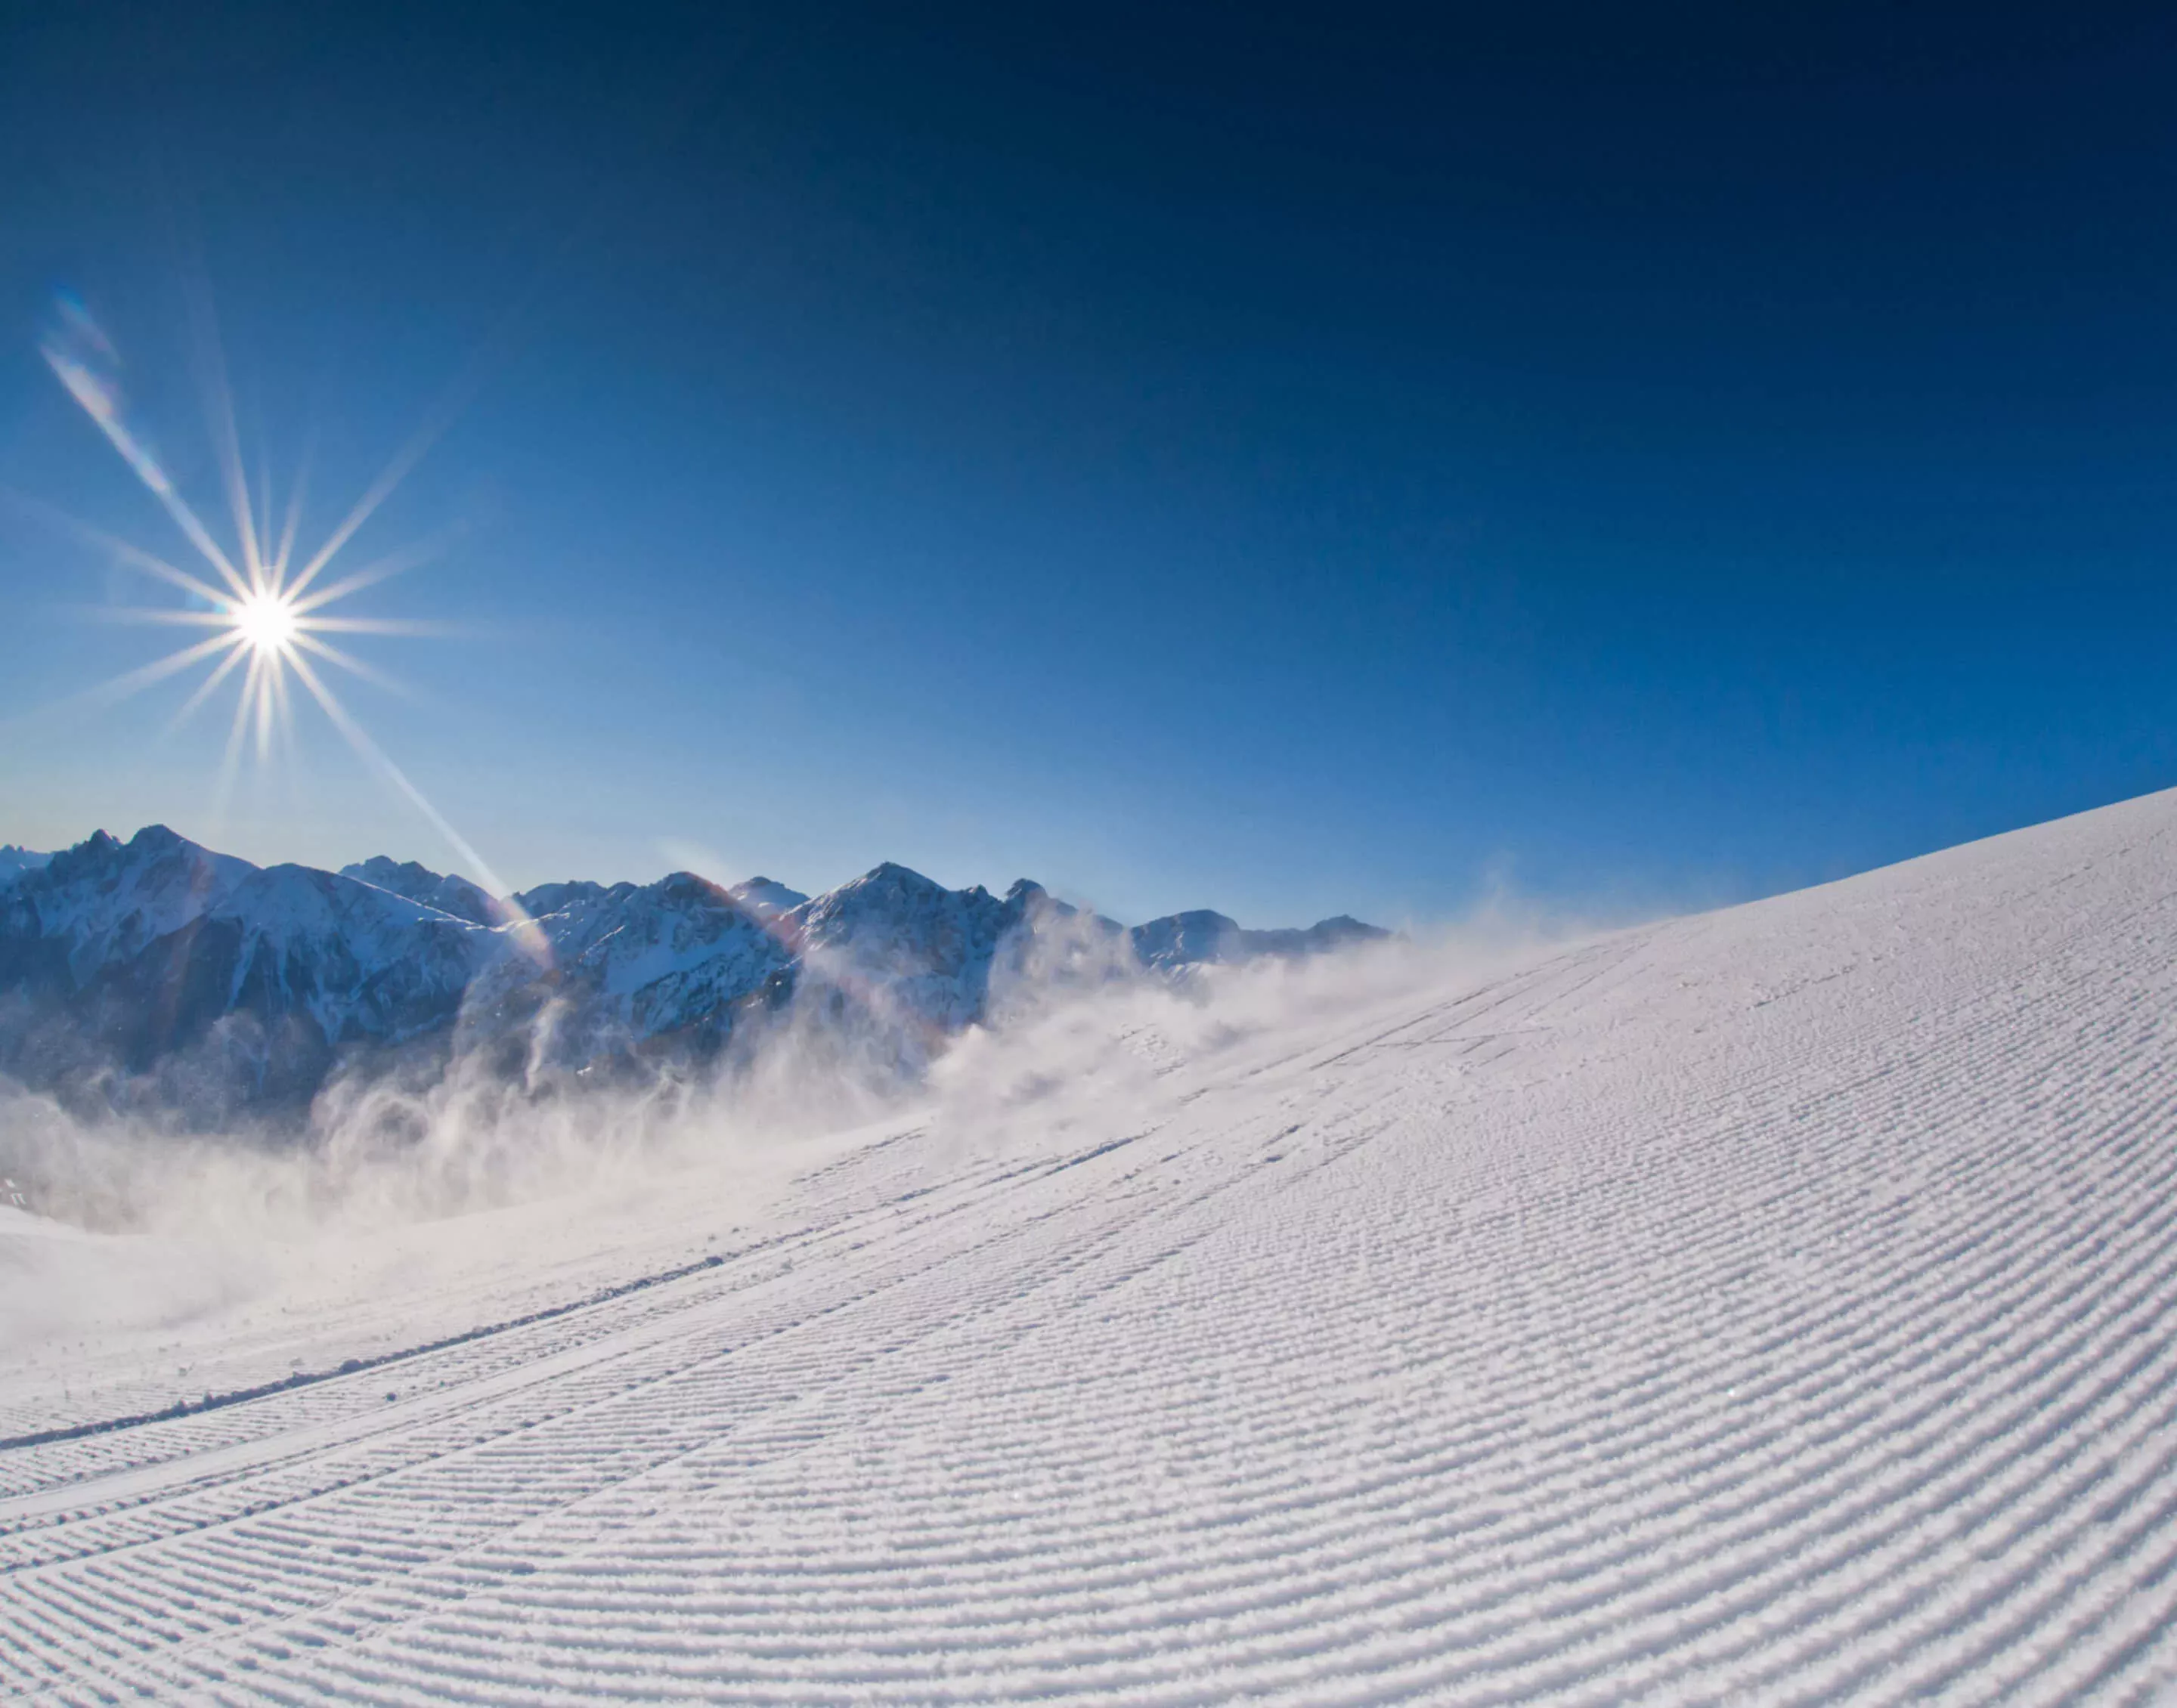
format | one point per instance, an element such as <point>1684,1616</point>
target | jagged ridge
<point>130,958</point>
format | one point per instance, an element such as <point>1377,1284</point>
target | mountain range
<point>155,972</point>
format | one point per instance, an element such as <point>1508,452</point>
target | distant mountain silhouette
<point>157,972</point>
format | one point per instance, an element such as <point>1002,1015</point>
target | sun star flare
<point>269,615</point>
<point>267,623</point>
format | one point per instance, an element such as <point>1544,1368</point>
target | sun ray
<point>217,397</point>
<point>283,724</point>
<point>116,689</point>
<point>230,763</point>
<point>292,525</point>
<point>383,570</point>
<point>421,628</point>
<point>269,623</point>
<point>159,615</point>
<point>266,680</point>
<point>442,416</point>
<point>205,689</point>
<point>100,403</point>
<point>135,556</point>
<point>380,490</point>
<point>355,666</point>
<point>526,930</point>
<point>265,504</point>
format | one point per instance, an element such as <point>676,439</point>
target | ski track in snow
<point>1770,1307</point>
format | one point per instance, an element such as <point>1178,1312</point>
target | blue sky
<point>1333,461</point>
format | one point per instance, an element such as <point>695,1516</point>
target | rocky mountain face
<point>210,983</point>
<point>15,861</point>
<point>1202,938</point>
<point>157,973</point>
<point>449,895</point>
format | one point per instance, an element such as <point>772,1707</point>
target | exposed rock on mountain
<point>15,861</point>
<point>454,895</point>
<point>127,957</point>
<point>627,967</point>
<point>1203,938</point>
<point>158,972</point>
<point>766,899</point>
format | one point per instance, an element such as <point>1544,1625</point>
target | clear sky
<point>1294,462</point>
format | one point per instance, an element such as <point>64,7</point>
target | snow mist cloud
<point>1080,1048</point>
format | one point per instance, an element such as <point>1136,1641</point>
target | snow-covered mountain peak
<point>680,916</point>
<point>902,948</point>
<point>572,892</point>
<point>450,893</point>
<point>1201,937</point>
<point>887,881</point>
<point>766,897</point>
<point>1196,936</point>
<point>676,939</point>
<point>892,906</point>
<point>636,963</point>
<point>1335,932</point>
<point>287,902</point>
<point>15,861</point>
<point>105,899</point>
<point>157,946</point>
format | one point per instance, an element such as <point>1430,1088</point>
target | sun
<point>260,606</point>
<point>267,623</point>
<point>267,612</point>
<point>264,604</point>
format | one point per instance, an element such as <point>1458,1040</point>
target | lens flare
<point>267,618</point>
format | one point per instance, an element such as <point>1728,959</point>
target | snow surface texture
<point>1769,1306</point>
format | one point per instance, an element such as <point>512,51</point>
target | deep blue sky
<point>1289,463</point>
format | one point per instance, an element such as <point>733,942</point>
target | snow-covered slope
<point>126,956</point>
<point>363,963</point>
<point>1770,1307</point>
<point>638,962</point>
<point>765,898</point>
<point>448,892</point>
<point>104,902</point>
<point>892,939</point>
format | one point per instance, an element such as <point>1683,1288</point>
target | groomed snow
<point>1770,1307</point>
